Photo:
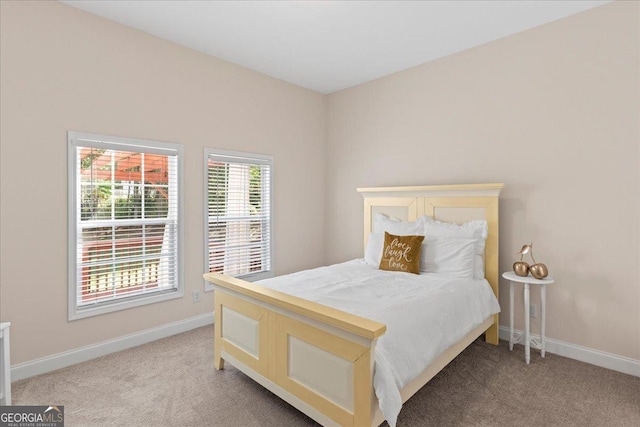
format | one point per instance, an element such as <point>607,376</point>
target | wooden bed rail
<point>357,325</point>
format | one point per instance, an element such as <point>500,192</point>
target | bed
<point>322,360</point>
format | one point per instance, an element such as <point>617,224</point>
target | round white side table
<point>528,280</point>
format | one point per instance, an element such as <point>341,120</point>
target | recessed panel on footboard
<point>244,331</point>
<point>328,375</point>
<point>323,370</point>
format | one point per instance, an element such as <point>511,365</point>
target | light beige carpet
<point>172,382</point>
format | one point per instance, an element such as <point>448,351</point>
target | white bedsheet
<point>425,314</point>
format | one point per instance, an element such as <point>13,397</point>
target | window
<point>238,215</point>
<point>125,223</point>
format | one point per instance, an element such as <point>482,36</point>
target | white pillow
<point>476,229</point>
<point>478,269</point>
<point>451,257</point>
<point>448,257</point>
<point>373,252</point>
<point>397,227</point>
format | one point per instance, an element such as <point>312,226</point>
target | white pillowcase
<point>448,257</point>
<point>397,227</point>
<point>373,252</point>
<point>478,269</point>
<point>476,229</point>
<point>432,229</point>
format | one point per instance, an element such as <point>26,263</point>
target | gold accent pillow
<point>401,253</point>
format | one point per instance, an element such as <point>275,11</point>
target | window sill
<point>81,313</point>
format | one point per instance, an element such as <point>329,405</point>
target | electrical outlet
<point>532,311</point>
<point>197,297</point>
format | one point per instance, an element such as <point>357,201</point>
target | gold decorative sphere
<point>521,268</point>
<point>539,271</point>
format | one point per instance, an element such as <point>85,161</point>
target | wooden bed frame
<point>319,359</point>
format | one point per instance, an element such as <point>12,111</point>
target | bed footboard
<point>317,358</point>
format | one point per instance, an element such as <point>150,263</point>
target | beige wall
<point>63,69</point>
<point>551,112</point>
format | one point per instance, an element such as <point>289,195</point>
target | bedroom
<point>552,112</point>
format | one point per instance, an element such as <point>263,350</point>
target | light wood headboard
<point>450,203</point>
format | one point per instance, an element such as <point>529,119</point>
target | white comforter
<point>425,314</point>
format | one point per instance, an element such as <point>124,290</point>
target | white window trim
<point>74,312</point>
<point>208,287</point>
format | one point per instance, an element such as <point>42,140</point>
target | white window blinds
<point>238,217</point>
<point>126,220</point>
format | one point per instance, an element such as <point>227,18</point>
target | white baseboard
<point>82,354</point>
<point>62,360</point>
<point>584,354</point>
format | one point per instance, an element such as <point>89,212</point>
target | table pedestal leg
<point>511,316</point>
<point>543,304</point>
<point>527,340</point>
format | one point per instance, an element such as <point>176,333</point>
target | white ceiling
<point>331,45</point>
